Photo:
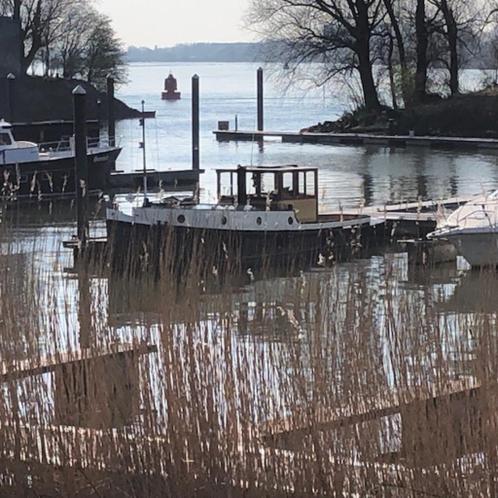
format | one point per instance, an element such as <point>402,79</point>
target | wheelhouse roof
<point>289,168</point>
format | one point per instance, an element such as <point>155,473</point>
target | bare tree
<point>336,32</point>
<point>40,20</point>
<point>461,21</point>
<point>70,47</point>
<point>103,54</point>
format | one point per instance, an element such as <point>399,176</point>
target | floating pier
<point>353,139</point>
<point>119,181</point>
<point>410,219</point>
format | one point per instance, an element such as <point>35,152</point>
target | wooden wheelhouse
<point>271,188</point>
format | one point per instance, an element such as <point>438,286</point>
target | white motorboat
<point>12,152</point>
<point>473,230</point>
<point>33,169</point>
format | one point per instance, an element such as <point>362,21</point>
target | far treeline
<point>407,38</point>
<point>67,38</point>
<point>200,52</point>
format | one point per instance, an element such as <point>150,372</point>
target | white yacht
<point>473,230</point>
<point>28,168</point>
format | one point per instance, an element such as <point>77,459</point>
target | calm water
<point>349,176</point>
<point>59,304</point>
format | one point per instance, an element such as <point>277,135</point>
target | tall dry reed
<point>343,381</point>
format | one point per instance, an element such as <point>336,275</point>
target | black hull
<point>162,249</point>
<point>55,177</point>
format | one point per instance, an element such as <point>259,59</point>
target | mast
<point>144,153</point>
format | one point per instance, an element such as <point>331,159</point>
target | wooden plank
<point>37,366</point>
<point>366,409</point>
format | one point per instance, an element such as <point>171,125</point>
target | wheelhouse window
<point>5,139</point>
<point>271,188</point>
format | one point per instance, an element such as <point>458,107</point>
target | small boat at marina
<point>473,230</point>
<point>263,215</point>
<point>31,169</point>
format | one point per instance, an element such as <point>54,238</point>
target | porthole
<point>224,220</point>
<point>181,219</point>
<point>259,220</point>
<point>291,220</point>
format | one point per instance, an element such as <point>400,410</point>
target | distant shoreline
<point>203,52</point>
<point>250,52</point>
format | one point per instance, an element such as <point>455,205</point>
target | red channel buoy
<point>170,89</point>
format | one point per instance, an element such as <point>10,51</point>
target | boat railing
<point>59,146</point>
<point>66,144</point>
<point>478,214</point>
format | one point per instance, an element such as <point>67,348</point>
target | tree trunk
<point>390,68</point>
<point>17,10</point>
<point>47,60</point>
<point>422,45</point>
<point>452,37</point>
<point>370,95</point>
<point>17,17</point>
<point>36,40</point>
<point>362,46</point>
<point>30,56</point>
<point>401,50</point>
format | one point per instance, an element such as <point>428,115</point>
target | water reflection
<point>264,348</point>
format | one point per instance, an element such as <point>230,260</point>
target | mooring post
<point>111,119</point>
<point>195,124</point>
<point>241,186</point>
<point>260,85</point>
<point>99,116</point>
<point>144,153</point>
<point>81,164</point>
<point>11,89</point>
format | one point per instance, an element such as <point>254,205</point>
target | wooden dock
<point>119,181</point>
<point>355,139</point>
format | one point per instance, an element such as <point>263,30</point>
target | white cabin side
<point>12,152</point>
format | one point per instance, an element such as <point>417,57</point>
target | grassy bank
<point>471,115</point>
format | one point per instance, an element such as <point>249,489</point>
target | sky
<point>168,22</point>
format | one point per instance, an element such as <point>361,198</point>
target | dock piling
<point>99,116</point>
<point>111,119</point>
<point>144,153</point>
<point>11,88</point>
<point>81,164</point>
<point>195,124</point>
<point>260,90</point>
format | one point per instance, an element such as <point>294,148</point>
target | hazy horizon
<point>165,23</point>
